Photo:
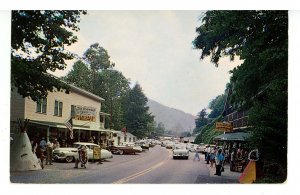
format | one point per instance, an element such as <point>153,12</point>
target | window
<point>41,105</point>
<point>58,108</point>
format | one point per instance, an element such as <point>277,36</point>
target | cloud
<point>154,48</point>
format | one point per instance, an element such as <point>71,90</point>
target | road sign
<point>96,153</point>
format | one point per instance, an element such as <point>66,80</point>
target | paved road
<point>153,167</point>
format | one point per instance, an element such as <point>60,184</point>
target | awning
<point>62,126</point>
<point>239,136</point>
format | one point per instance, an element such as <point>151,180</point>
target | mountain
<point>173,119</point>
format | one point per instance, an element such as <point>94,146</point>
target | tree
<point>137,116</point>
<point>114,87</point>
<point>37,46</point>
<point>160,129</point>
<point>96,75</point>
<point>200,121</point>
<point>80,75</point>
<point>217,106</point>
<point>260,39</point>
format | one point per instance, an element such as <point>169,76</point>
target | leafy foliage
<point>137,117</point>
<point>200,121</point>
<point>260,39</point>
<point>37,46</point>
<point>217,106</point>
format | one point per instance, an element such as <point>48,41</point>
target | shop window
<point>41,105</point>
<point>58,108</point>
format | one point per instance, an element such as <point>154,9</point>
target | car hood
<point>65,149</point>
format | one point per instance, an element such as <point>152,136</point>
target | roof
<point>239,136</point>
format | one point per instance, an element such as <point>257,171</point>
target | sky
<point>154,49</point>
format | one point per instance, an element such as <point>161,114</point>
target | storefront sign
<point>84,113</point>
<point>221,126</point>
<point>96,153</point>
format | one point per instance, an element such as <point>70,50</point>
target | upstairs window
<point>58,108</point>
<point>41,105</point>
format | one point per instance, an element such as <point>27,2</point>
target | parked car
<point>69,154</point>
<point>125,148</point>
<point>180,151</point>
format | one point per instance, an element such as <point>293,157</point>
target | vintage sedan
<point>125,148</point>
<point>180,151</point>
<point>69,154</point>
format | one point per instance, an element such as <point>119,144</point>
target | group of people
<point>44,150</point>
<point>233,154</point>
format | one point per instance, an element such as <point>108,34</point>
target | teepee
<point>21,156</point>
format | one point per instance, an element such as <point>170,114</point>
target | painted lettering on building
<point>83,113</point>
<point>224,126</point>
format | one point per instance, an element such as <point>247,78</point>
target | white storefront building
<point>47,116</point>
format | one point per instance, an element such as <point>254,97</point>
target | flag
<point>69,125</point>
<point>124,130</point>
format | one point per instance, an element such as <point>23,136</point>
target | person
<point>82,156</point>
<point>212,158</point>
<point>49,151</point>
<point>197,155</point>
<point>207,153</point>
<point>219,158</point>
<point>43,144</point>
<point>55,144</point>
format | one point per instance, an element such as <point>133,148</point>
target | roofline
<point>84,92</point>
<point>80,90</point>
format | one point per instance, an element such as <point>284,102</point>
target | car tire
<point>121,152</point>
<point>69,159</point>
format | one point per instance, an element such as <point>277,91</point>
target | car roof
<point>86,143</point>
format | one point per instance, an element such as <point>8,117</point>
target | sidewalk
<point>227,174</point>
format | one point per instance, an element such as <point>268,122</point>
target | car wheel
<point>69,159</point>
<point>121,152</point>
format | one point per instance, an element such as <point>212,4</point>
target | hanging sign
<point>223,126</point>
<point>84,113</point>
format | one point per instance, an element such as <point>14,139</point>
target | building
<point>47,117</point>
<point>120,137</point>
<point>234,124</point>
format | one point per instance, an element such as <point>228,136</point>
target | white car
<point>69,154</point>
<point>180,151</point>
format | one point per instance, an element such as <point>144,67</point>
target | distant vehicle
<point>191,147</point>
<point>201,148</point>
<point>69,154</point>
<point>144,144</point>
<point>169,145</point>
<point>180,151</point>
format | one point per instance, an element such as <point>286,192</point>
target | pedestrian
<point>207,152</point>
<point>197,155</point>
<point>43,144</point>
<point>55,144</point>
<point>219,158</point>
<point>212,158</point>
<point>49,151</point>
<point>232,159</point>
<point>81,157</point>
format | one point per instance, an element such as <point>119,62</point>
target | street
<point>155,166</point>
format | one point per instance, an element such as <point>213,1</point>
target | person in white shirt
<point>49,151</point>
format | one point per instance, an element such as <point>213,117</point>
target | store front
<point>48,117</point>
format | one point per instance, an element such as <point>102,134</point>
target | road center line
<point>126,179</point>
